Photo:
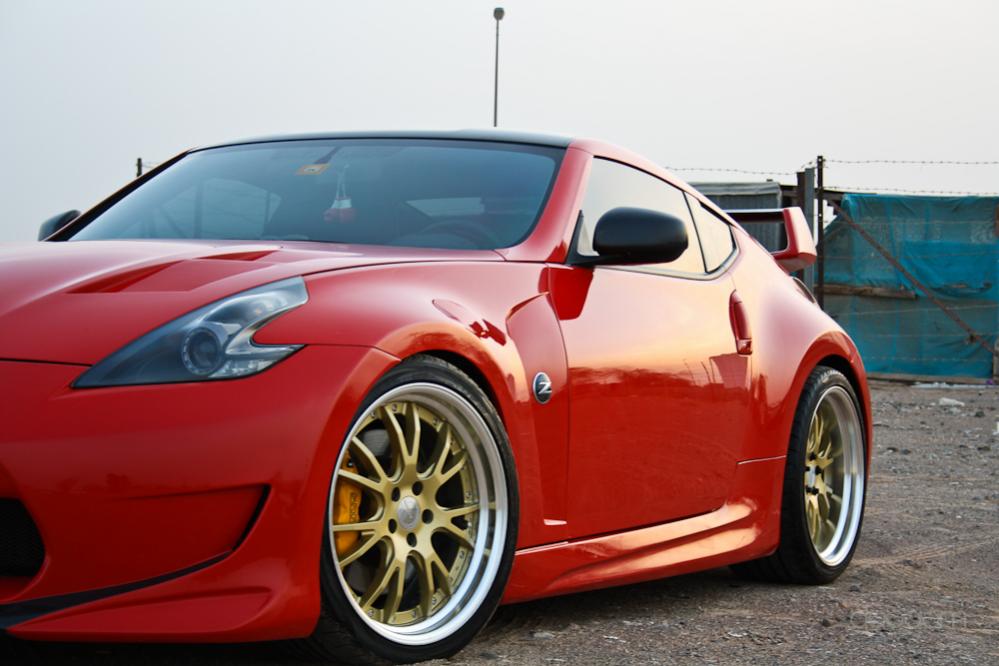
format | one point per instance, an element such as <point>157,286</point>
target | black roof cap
<point>501,136</point>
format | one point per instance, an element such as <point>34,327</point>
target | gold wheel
<point>833,476</point>
<point>416,509</point>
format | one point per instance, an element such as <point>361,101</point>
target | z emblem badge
<point>542,388</point>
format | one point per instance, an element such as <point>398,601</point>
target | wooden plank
<point>876,292</point>
<point>945,379</point>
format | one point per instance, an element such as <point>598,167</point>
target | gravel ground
<point>922,587</point>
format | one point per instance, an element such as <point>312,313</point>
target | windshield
<point>408,192</point>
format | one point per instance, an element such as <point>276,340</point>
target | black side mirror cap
<point>56,223</point>
<point>638,236</point>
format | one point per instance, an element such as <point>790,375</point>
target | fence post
<point>805,198</point>
<point>820,250</point>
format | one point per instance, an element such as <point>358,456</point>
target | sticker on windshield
<point>311,169</point>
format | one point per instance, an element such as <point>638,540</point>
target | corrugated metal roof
<point>769,187</point>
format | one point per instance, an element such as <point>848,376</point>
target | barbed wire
<point>754,172</point>
<point>832,160</point>
<point>877,189</point>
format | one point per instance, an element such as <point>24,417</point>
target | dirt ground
<point>923,587</point>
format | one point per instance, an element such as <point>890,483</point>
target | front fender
<point>495,316</point>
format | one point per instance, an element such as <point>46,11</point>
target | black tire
<point>796,559</point>
<point>341,635</point>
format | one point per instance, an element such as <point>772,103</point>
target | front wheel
<point>421,523</point>
<point>824,481</point>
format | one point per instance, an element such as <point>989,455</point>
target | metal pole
<point>138,167</point>
<point>498,14</point>
<point>806,200</point>
<point>496,82</point>
<point>820,264</point>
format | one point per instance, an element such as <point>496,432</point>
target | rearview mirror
<point>55,223</point>
<point>638,236</point>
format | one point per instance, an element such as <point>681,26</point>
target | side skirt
<point>747,526</point>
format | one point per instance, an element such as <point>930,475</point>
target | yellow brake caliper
<point>346,509</point>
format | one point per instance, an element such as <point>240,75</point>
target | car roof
<point>501,136</point>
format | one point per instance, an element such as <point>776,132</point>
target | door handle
<point>739,317</point>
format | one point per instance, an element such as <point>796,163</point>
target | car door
<point>658,390</point>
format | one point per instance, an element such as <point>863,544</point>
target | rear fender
<point>791,336</point>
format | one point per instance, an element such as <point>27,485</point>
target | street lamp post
<point>498,14</point>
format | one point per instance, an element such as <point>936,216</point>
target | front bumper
<point>179,512</point>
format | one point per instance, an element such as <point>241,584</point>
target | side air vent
<point>21,549</point>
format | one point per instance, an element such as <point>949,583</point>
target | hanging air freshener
<point>342,209</point>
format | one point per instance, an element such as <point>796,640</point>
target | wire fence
<point>829,161</point>
<point>751,172</point>
<point>946,329</point>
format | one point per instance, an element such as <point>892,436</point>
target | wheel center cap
<point>408,511</point>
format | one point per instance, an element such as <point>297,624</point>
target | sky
<point>87,86</point>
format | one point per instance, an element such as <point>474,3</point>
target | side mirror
<point>55,223</point>
<point>638,236</point>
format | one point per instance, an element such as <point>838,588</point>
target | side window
<point>612,185</point>
<point>716,236</point>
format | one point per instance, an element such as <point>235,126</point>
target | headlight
<point>215,342</point>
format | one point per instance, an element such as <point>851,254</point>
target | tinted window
<point>716,236</point>
<point>427,193</point>
<point>219,208</point>
<point>612,185</point>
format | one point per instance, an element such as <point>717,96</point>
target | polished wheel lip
<point>834,467</point>
<point>486,464</point>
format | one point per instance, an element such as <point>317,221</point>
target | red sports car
<point>359,389</point>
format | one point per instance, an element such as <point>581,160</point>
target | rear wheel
<point>824,481</point>
<point>421,523</point>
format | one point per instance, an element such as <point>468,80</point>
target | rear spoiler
<point>798,247</point>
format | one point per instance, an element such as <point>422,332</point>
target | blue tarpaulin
<point>950,245</point>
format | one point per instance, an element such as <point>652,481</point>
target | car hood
<point>77,302</point>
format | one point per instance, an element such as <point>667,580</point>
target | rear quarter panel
<point>791,336</point>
